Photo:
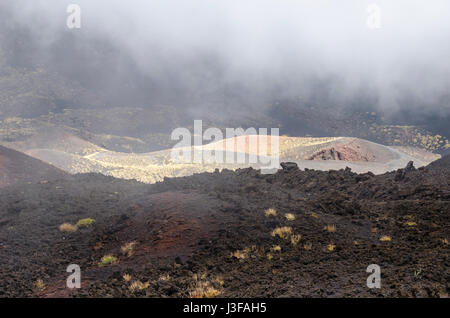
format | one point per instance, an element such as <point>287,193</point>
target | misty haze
<point>314,138</point>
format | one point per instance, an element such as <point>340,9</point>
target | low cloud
<point>214,53</point>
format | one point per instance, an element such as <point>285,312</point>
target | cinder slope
<point>17,167</point>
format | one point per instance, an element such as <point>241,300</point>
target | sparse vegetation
<point>164,277</point>
<point>295,238</point>
<point>201,288</point>
<point>68,228</point>
<point>330,228</point>
<point>39,284</point>
<point>138,286</point>
<point>127,248</point>
<point>98,246</point>
<point>417,273</point>
<point>408,136</point>
<point>290,216</point>
<point>270,212</point>
<point>85,222</point>
<point>107,260</point>
<point>220,280</point>
<point>276,248</point>
<point>283,232</point>
<point>127,277</point>
<point>240,254</point>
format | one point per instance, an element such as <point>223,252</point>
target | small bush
<point>127,277</point>
<point>204,289</point>
<point>290,216</point>
<point>276,248</point>
<point>138,286</point>
<point>295,238</point>
<point>128,248</point>
<point>39,284</point>
<point>240,254</point>
<point>68,228</point>
<point>219,280</point>
<point>107,260</point>
<point>330,228</point>
<point>271,212</point>
<point>283,232</point>
<point>85,222</point>
<point>98,246</point>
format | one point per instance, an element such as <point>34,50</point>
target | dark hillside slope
<point>443,163</point>
<point>17,167</point>
<point>210,230</point>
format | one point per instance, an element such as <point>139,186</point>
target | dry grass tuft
<point>98,246</point>
<point>373,230</point>
<point>331,247</point>
<point>240,254</point>
<point>295,238</point>
<point>107,260</point>
<point>164,278</point>
<point>307,246</point>
<point>330,228</point>
<point>68,228</point>
<point>127,277</point>
<point>314,215</point>
<point>290,216</point>
<point>127,248</point>
<point>219,280</point>
<point>276,248</point>
<point>269,256</point>
<point>411,223</point>
<point>444,241</point>
<point>39,284</point>
<point>203,289</point>
<point>249,251</point>
<point>283,232</point>
<point>385,238</point>
<point>138,286</point>
<point>270,212</point>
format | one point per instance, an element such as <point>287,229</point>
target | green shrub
<point>107,260</point>
<point>85,222</point>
